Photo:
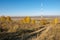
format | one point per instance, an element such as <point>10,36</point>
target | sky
<point>29,7</point>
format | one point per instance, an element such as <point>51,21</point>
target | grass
<point>17,31</point>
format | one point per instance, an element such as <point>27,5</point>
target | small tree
<point>3,18</point>
<point>54,21</point>
<point>33,21</point>
<point>27,19</point>
<point>8,19</point>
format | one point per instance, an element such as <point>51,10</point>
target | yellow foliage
<point>33,21</point>
<point>8,18</point>
<point>27,19</point>
<point>3,19</point>
<point>56,20</point>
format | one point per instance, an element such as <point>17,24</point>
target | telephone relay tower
<point>41,9</point>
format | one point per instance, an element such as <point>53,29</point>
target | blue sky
<point>29,7</point>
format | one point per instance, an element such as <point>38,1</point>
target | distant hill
<point>34,17</point>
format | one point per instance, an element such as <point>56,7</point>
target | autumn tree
<point>8,19</point>
<point>33,21</point>
<point>55,21</point>
<point>2,18</point>
<point>27,19</point>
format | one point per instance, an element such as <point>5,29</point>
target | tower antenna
<point>41,9</point>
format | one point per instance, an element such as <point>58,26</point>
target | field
<point>29,28</point>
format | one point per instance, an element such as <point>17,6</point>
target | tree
<point>56,20</point>
<point>3,18</point>
<point>8,19</point>
<point>33,21</point>
<point>27,19</point>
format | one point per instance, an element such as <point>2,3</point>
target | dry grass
<point>16,31</point>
